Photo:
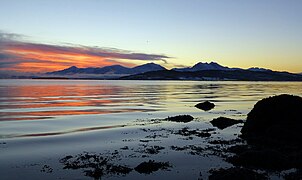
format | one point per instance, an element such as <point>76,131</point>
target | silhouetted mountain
<point>238,75</point>
<point>200,71</point>
<point>203,66</point>
<point>148,67</point>
<point>114,69</point>
<point>214,66</point>
<point>121,70</point>
<point>70,70</point>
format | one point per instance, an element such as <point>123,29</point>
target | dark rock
<point>206,106</point>
<point>196,132</point>
<point>223,122</point>
<point>235,173</point>
<point>261,159</point>
<point>94,165</point>
<point>46,169</point>
<point>266,157</point>
<point>180,118</point>
<point>151,166</point>
<point>238,149</point>
<point>275,120</point>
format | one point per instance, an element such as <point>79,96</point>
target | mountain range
<point>114,69</point>
<point>216,75</point>
<point>122,70</point>
<point>152,71</point>
<point>203,66</point>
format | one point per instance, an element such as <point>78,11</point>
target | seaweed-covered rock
<point>235,173</point>
<point>151,166</point>
<point>196,132</point>
<point>180,118</point>
<point>275,120</point>
<point>223,122</point>
<point>94,165</point>
<point>206,106</point>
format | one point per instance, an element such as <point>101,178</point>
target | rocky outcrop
<point>223,122</point>
<point>275,120</point>
<point>206,106</point>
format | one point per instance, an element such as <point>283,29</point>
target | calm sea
<point>47,106</point>
<point>54,117</point>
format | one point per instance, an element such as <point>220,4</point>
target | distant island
<point>216,75</point>
<point>201,71</point>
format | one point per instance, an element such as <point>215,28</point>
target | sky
<point>50,35</point>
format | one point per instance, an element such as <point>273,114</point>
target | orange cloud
<point>33,57</point>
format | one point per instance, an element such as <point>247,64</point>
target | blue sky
<point>236,33</point>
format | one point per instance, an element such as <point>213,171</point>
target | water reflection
<point>32,99</point>
<point>67,132</point>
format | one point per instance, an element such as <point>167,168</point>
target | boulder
<point>206,106</point>
<point>275,120</point>
<point>268,159</point>
<point>223,122</point>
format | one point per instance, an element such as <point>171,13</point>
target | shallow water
<point>43,120</point>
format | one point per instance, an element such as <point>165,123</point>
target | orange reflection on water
<point>71,102</point>
<point>37,102</point>
<point>5,115</point>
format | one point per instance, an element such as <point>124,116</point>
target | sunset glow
<point>30,57</point>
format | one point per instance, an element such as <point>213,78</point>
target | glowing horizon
<point>51,35</point>
<point>33,57</point>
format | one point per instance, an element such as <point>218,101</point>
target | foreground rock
<point>275,120</point>
<point>273,134</point>
<point>180,118</point>
<point>266,159</point>
<point>206,106</point>
<point>223,122</point>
